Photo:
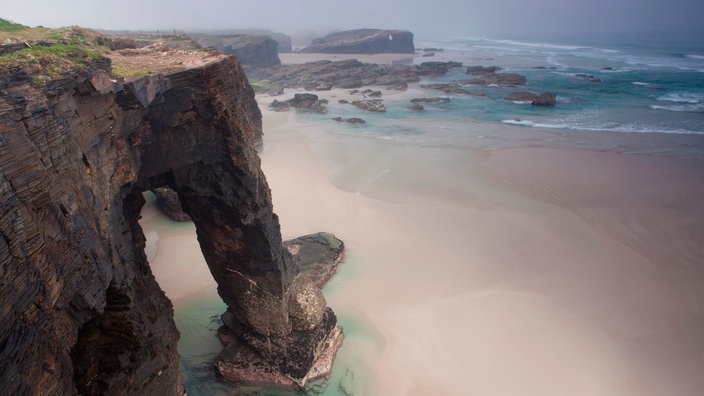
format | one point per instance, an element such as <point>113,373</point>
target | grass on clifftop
<point>50,53</point>
<point>7,26</point>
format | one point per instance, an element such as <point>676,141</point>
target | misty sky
<point>426,18</point>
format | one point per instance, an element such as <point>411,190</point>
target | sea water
<point>636,83</point>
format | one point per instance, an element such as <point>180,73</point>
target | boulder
<point>353,120</point>
<point>363,41</point>
<point>278,105</point>
<point>545,99</point>
<point>167,200</point>
<point>375,105</point>
<point>307,101</point>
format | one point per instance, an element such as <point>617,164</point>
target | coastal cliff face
<point>82,312</point>
<point>250,50</point>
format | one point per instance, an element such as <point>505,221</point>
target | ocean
<point>425,168</point>
<point>647,83</point>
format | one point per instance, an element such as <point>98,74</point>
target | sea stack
<point>364,41</point>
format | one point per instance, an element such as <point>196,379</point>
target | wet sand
<point>533,266</point>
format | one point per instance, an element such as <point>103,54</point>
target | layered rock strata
<point>249,49</point>
<point>82,312</point>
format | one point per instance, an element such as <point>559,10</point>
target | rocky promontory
<point>249,50</point>
<point>87,130</point>
<point>364,41</point>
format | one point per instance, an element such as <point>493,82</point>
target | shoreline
<point>517,253</point>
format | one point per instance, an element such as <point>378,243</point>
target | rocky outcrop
<point>544,99</point>
<point>169,204</point>
<point>374,105</point>
<point>352,120</point>
<point>451,88</point>
<point>364,41</point>
<point>350,73</point>
<point>482,70</point>
<point>435,68</point>
<point>283,40</point>
<point>501,79</point>
<point>249,50</point>
<point>304,101</point>
<point>82,313</point>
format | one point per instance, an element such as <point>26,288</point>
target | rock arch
<point>82,312</point>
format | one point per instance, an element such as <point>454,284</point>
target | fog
<point>516,18</point>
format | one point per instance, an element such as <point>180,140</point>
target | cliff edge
<point>82,312</point>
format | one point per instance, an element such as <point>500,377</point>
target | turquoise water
<point>650,83</point>
<point>198,318</point>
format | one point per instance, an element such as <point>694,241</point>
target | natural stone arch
<point>82,311</point>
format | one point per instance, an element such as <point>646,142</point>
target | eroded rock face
<point>256,50</point>
<point>81,310</point>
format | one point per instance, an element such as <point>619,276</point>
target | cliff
<point>82,312</point>
<point>364,41</point>
<point>249,50</point>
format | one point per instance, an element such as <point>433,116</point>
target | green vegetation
<point>49,53</point>
<point>7,26</point>
<point>50,62</point>
<point>124,70</point>
<point>260,85</point>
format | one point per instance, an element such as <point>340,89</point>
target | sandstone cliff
<point>364,41</point>
<point>81,310</point>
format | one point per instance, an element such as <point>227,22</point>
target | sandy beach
<point>534,262</point>
<point>534,266</point>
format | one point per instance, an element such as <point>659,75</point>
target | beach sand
<point>534,262</point>
<point>521,267</point>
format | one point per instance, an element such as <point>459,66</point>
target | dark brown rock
<point>307,101</point>
<point>374,105</point>
<point>416,107</point>
<point>167,200</point>
<point>545,99</point>
<point>317,255</point>
<point>82,313</point>
<point>353,120</point>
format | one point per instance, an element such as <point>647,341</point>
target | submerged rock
<point>502,79</point>
<point>352,120</point>
<point>544,99</point>
<point>431,100</point>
